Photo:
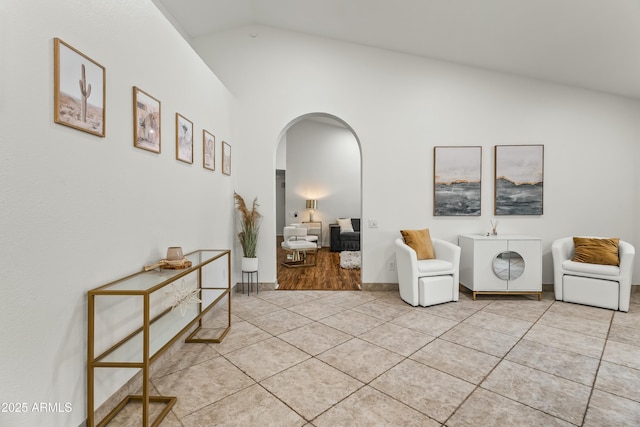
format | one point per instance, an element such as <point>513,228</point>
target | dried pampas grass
<point>249,225</point>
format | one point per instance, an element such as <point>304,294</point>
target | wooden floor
<point>325,275</point>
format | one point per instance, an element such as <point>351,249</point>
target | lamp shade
<point>312,204</point>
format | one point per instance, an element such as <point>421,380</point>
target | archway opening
<point>318,180</point>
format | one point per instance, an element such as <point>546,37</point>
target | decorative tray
<point>169,264</point>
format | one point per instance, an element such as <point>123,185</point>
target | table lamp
<point>311,205</point>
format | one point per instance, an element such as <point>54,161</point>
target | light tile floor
<point>348,358</point>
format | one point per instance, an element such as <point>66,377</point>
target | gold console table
<point>146,313</point>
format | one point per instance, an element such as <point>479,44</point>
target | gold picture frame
<point>79,90</point>
<point>146,121</point>
<point>226,158</point>
<point>208,150</point>
<point>184,139</point>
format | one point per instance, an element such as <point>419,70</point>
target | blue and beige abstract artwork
<point>457,179</point>
<point>519,179</point>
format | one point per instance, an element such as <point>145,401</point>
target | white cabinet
<point>510,264</point>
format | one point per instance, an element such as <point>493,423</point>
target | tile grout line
<point>364,384</point>
<point>478,386</point>
<point>311,356</point>
<point>595,377</point>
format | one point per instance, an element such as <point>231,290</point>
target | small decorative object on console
<point>494,226</point>
<point>183,296</point>
<point>175,260</point>
<point>174,253</point>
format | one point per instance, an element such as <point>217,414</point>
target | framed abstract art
<point>457,176</point>
<point>519,179</point>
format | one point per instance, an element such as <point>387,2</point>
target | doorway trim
<point>322,117</point>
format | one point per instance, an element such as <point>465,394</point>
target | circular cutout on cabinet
<point>508,265</point>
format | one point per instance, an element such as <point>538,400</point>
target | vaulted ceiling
<point>592,44</point>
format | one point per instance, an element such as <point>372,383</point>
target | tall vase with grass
<point>249,230</point>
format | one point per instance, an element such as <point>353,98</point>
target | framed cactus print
<point>184,139</point>
<point>146,121</point>
<point>79,90</point>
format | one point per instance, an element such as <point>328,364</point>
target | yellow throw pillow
<point>596,251</point>
<point>419,241</point>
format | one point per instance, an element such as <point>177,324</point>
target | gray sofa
<point>347,241</point>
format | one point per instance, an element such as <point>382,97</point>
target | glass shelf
<point>170,324</point>
<point>147,281</point>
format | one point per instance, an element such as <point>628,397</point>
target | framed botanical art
<point>226,158</point>
<point>79,90</point>
<point>184,139</point>
<point>146,121</point>
<point>519,179</point>
<point>208,150</point>
<point>457,173</point>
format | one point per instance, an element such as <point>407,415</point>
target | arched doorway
<point>318,157</point>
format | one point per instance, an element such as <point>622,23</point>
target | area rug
<point>350,259</point>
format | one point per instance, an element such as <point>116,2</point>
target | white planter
<point>249,264</point>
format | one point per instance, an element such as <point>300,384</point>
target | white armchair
<point>299,246</point>
<point>606,286</point>
<point>431,281</point>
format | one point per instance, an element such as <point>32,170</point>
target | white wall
<point>323,163</point>
<point>400,107</point>
<point>77,210</point>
